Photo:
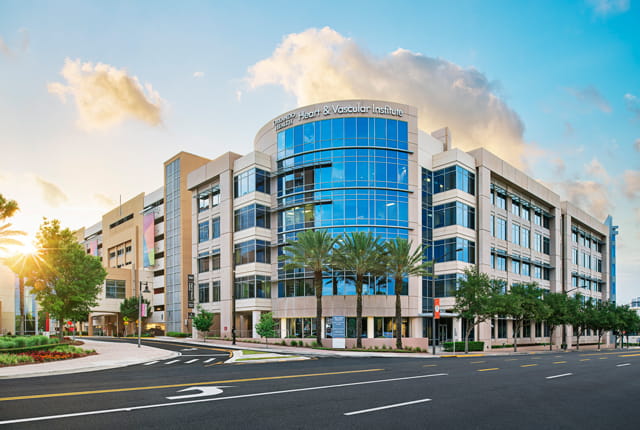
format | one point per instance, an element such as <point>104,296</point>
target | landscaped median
<point>37,349</point>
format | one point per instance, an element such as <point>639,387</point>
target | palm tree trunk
<point>398,288</point>
<point>317,285</point>
<point>359,282</point>
<point>21,292</point>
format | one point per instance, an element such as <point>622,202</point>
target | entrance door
<point>443,333</point>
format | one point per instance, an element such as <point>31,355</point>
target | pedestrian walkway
<point>109,355</point>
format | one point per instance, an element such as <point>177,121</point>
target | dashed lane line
<point>559,362</point>
<point>150,363</point>
<point>172,361</point>
<point>511,359</point>
<point>623,364</point>
<point>528,365</point>
<point>476,362</point>
<point>585,359</point>
<point>397,405</point>
<point>191,361</point>
<point>630,355</point>
<point>558,376</point>
<point>189,384</point>
<point>209,360</point>
<point>487,370</point>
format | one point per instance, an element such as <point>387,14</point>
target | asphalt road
<point>541,391</point>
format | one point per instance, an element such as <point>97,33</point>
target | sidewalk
<point>109,355</point>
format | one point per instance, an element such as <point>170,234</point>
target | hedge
<point>26,344</point>
<point>177,334</point>
<point>473,346</point>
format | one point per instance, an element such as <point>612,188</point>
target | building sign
<point>148,240</point>
<point>436,309</point>
<point>190,294</point>
<point>335,109</point>
<point>338,331</point>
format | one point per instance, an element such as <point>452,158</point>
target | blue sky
<point>552,86</point>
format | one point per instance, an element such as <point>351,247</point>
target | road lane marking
<point>214,399</point>
<point>511,359</point>
<point>629,355</point>
<point>558,376</point>
<point>190,384</point>
<point>191,361</point>
<point>528,365</point>
<point>209,360</point>
<point>430,365</point>
<point>150,363</point>
<point>172,361</point>
<point>585,359</point>
<point>559,362</point>
<point>487,370</point>
<point>199,347</point>
<point>204,355</point>
<point>623,364</point>
<point>604,358</point>
<point>476,362</point>
<point>364,411</point>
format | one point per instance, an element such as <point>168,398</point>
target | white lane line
<point>559,376</point>
<point>172,361</point>
<point>364,411</point>
<point>209,360</point>
<point>191,361</point>
<point>150,363</point>
<point>204,355</point>
<point>214,399</point>
<point>623,364</point>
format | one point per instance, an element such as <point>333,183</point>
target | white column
<point>256,319</point>
<point>283,328</point>
<point>370,328</point>
<point>457,329</point>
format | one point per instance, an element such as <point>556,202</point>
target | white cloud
<point>320,64</point>
<point>559,167</point>
<point>631,180</point>
<point>590,196</point>
<point>51,193</point>
<point>198,74</point>
<point>106,96</point>
<point>592,96</point>
<point>597,170</point>
<point>24,45</point>
<point>633,104</point>
<point>609,7</point>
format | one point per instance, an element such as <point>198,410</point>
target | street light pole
<point>146,290</point>
<point>433,300</point>
<point>564,326</point>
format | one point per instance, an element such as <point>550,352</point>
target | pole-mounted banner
<point>436,309</point>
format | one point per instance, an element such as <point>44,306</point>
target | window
<point>215,228</point>
<point>301,327</point>
<point>501,228</point>
<point>537,242</point>
<point>546,273</point>
<point>203,202</point>
<point>526,269</point>
<point>215,260</point>
<point>254,215</point>
<point>115,289</point>
<point>254,286</point>
<point>524,213</point>
<point>493,226</point>
<point>574,255</point>
<point>454,177</point>
<point>526,234</point>
<point>252,251</point>
<point>546,221</point>
<point>574,236</point>
<point>454,213</point>
<point>215,291</point>
<point>502,328</point>
<point>537,218</point>
<point>203,293</point>
<point>250,181</point>
<point>501,263</point>
<point>515,266</point>
<point>546,245</point>
<point>445,250</point>
<point>386,327</point>
<point>515,234</point>
<point>598,265</point>
<point>447,284</point>
<point>515,208</point>
<point>203,231</point>
<point>537,272</point>
<point>203,264</point>
<point>500,200</point>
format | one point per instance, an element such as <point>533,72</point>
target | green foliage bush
<point>13,359</point>
<point>26,343</point>
<point>473,346</point>
<point>177,334</point>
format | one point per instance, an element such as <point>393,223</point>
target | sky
<point>95,96</point>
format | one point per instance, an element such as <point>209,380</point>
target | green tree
<point>202,322</point>
<point>401,262</point>
<point>521,303</point>
<point>129,310</point>
<point>359,254</point>
<point>266,327</point>
<point>601,319</point>
<point>554,312</point>
<point>475,300</point>
<point>7,209</point>
<point>312,250</point>
<point>68,280</point>
<point>579,315</point>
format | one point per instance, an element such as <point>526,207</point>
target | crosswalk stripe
<point>209,360</point>
<point>172,361</point>
<point>191,361</point>
<point>150,363</point>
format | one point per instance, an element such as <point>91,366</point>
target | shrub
<point>13,359</point>
<point>459,346</point>
<point>20,342</point>
<point>177,334</point>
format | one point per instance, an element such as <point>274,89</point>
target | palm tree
<point>359,254</point>
<point>6,236</point>
<point>402,263</point>
<point>312,250</point>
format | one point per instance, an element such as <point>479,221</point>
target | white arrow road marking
<point>214,399</point>
<point>387,407</point>
<point>205,391</point>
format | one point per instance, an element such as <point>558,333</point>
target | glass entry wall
<point>343,175</point>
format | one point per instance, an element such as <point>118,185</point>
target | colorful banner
<point>148,243</point>
<point>93,248</point>
<point>436,309</point>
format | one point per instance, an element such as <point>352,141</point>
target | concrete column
<point>283,328</point>
<point>370,328</point>
<point>415,327</point>
<point>90,328</point>
<point>256,320</point>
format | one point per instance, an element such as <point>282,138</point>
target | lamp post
<point>433,299</point>
<point>564,326</point>
<point>146,290</point>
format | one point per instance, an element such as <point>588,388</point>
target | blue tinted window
<point>337,128</point>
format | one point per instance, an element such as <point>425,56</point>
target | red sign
<point>436,309</point>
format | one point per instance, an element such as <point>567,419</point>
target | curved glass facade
<point>343,175</point>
